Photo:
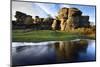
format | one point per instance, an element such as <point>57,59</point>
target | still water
<point>51,52</point>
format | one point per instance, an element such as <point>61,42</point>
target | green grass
<point>43,35</point>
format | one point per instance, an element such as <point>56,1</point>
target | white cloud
<point>28,8</point>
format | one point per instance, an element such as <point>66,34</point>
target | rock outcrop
<point>26,21</point>
<point>67,19</point>
<point>23,18</point>
<point>56,24</point>
<point>71,18</point>
<point>22,21</point>
<point>74,12</point>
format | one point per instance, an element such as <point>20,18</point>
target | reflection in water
<point>53,52</point>
<point>21,48</point>
<point>69,51</point>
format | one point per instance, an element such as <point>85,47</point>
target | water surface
<point>51,52</point>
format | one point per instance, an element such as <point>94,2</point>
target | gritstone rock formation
<point>68,19</point>
<point>26,21</point>
<point>71,18</point>
<point>23,18</point>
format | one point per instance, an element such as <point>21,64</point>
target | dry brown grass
<point>84,31</point>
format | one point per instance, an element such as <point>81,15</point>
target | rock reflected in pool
<point>52,52</point>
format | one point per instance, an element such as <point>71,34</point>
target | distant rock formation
<point>22,21</point>
<point>26,21</point>
<point>71,18</point>
<point>23,18</point>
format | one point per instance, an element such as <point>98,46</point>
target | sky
<point>45,9</point>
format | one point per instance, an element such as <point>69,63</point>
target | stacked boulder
<point>26,21</point>
<point>22,21</point>
<point>23,18</point>
<point>71,18</point>
<point>56,24</point>
<point>63,16</point>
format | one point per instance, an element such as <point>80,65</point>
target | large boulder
<point>63,16</point>
<point>63,13</point>
<point>56,24</point>
<point>74,12</point>
<point>84,21</point>
<point>63,24</point>
<point>28,20</point>
<point>23,20</point>
<point>71,18</point>
<point>20,17</point>
<point>72,22</point>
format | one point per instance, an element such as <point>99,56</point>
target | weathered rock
<point>74,12</point>
<point>23,18</point>
<point>56,25</point>
<point>63,13</point>
<point>73,22</point>
<point>67,19</point>
<point>71,18</point>
<point>63,24</point>
<point>28,20</point>
<point>84,21</point>
<point>20,17</point>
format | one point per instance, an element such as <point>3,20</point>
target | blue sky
<point>43,9</point>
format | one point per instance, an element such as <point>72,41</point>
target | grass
<point>44,35</point>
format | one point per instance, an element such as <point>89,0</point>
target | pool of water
<point>52,52</point>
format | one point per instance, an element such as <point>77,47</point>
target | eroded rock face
<point>56,25</point>
<point>20,17</point>
<point>28,20</point>
<point>84,21</point>
<point>67,19</point>
<point>71,18</point>
<point>23,18</point>
<point>63,13</point>
<point>63,24</point>
<point>73,22</point>
<point>74,12</point>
